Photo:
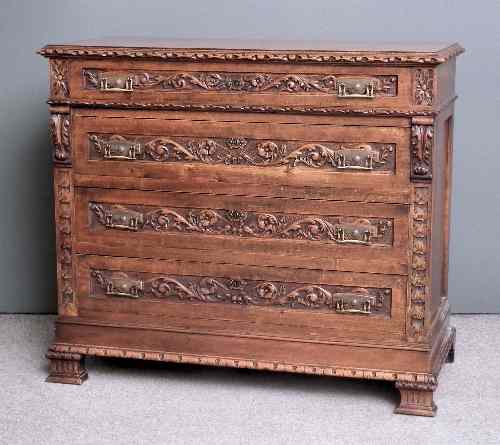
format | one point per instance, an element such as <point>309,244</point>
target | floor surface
<point>135,402</point>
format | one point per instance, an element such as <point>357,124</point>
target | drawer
<point>246,230</point>
<point>198,151</point>
<point>240,300</point>
<point>240,84</point>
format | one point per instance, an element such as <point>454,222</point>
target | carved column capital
<point>58,73</point>
<point>60,129</point>
<point>423,86</point>
<point>422,144</point>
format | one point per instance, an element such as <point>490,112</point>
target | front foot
<point>416,399</point>
<point>66,367</point>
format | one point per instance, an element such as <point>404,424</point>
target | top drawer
<point>238,85</point>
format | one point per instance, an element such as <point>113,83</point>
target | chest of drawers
<point>277,206</point>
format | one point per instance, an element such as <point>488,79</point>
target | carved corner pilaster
<point>66,367</point>
<point>423,84</point>
<point>59,77</point>
<point>63,202</point>
<point>422,144</point>
<point>419,280</point>
<point>417,399</point>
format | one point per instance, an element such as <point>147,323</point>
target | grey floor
<point>133,402</point>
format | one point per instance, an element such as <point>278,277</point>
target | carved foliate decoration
<point>422,141</point>
<point>231,82</point>
<point>59,127</point>
<point>63,191</point>
<point>424,86</point>
<point>242,151</point>
<point>419,266</point>
<point>59,85</point>
<point>339,299</point>
<point>262,56</point>
<point>236,222</point>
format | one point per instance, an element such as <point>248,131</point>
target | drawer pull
<point>119,284</point>
<point>118,217</point>
<point>359,158</point>
<point>360,88</point>
<point>116,84</point>
<point>117,147</point>
<point>360,232</point>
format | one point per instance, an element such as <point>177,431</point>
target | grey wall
<point>26,230</point>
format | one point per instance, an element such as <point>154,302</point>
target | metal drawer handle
<point>362,88</point>
<point>117,147</point>
<point>118,217</point>
<point>119,284</point>
<point>117,84</point>
<point>354,303</point>
<point>360,232</point>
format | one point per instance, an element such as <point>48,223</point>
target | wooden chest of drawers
<point>281,208</point>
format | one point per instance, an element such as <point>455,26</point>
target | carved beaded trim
<point>279,366</point>
<point>262,153</point>
<point>422,140</point>
<point>248,224</point>
<point>339,299</point>
<point>262,56</point>
<point>419,281</point>
<point>326,111</point>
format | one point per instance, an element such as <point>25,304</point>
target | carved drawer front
<point>281,301</point>
<point>339,235</point>
<point>239,85</point>
<point>190,151</point>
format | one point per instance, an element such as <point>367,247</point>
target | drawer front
<point>307,233</point>
<point>243,300</point>
<point>240,84</point>
<point>188,150</point>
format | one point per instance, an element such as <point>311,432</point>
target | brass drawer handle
<point>117,148</point>
<point>360,232</point>
<point>358,158</point>
<point>357,88</point>
<point>119,284</point>
<point>117,84</point>
<point>357,302</point>
<point>118,217</point>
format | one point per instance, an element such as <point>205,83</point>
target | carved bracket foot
<point>66,367</point>
<point>416,399</point>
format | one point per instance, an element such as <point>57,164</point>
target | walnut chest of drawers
<point>277,206</point>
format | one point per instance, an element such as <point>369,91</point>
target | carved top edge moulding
<point>258,51</point>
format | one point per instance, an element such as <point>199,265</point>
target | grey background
<point>27,279</point>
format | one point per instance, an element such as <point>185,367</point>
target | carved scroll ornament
<point>242,151</point>
<point>339,299</point>
<point>238,82</point>
<point>59,128</point>
<point>234,222</point>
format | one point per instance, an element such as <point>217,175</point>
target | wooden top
<point>259,50</point>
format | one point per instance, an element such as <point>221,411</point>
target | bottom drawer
<point>238,300</point>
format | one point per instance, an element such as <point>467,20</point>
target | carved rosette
<point>63,197</point>
<point>59,128</point>
<point>59,86</point>
<point>419,267</point>
<point>424,86</point>
<point>339,299</point>
<point>422,137</point>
